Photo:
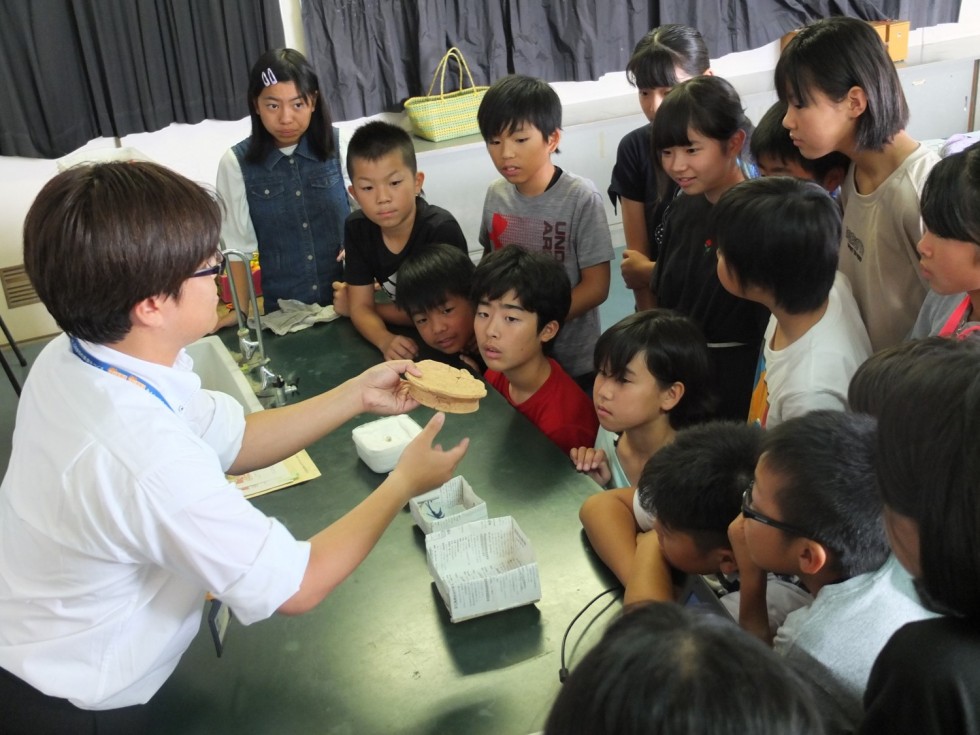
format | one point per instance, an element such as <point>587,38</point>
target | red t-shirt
<point>559,408</point>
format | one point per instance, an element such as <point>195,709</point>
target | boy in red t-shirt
<point>521,302</point>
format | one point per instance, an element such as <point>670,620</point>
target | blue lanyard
<point>88,358</point>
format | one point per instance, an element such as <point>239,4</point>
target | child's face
<point>652,97</point>
<point>682,552</point>
<point>703,167</point>
<point>284,112</point>
<point>448,327</point>
<point>822,126</point>
<point>508,335</point>
<point>632,402</point>
<point>768,547</point>
<point>950,266</point>
<point>386,189</point>
<point>523,157</point>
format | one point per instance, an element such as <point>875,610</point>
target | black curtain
<point>371,55</point>
<point>82,69</point>
<point>739,26</point>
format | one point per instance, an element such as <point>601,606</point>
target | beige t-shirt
<point>877,252</point>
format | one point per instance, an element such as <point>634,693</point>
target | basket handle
<point>440,72</point>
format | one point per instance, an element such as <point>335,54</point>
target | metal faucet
<point>271,389</point>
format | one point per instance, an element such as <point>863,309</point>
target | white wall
<point>589,148</point>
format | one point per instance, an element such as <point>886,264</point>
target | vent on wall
<point>17,288</point>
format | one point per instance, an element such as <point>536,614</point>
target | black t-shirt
<point>685,279</point>
<point>369,259</point>
<point>635,177</point>
<point>926,680</point>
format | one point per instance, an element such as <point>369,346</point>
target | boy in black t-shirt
<point>393,221</point>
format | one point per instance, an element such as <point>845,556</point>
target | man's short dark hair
<point>771,139</point>
<point>517,99</point>
<point>780,234</point>
<point>825,461</point>
<point>694,485</point>
<point>374,140</point>
<point>834,54</point>
<point>101,238</point>
<point>538,281</point>
<point>431,275</point>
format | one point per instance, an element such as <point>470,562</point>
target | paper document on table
<point>483,567</point>
<point>291,471</point>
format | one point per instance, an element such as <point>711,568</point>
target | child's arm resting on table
<point>364,313</point>
<point>609,523</point>
<point>650,579</point>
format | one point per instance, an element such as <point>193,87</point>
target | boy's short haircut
<point>780,234</point>
<point>694,485</point>
<point>663,668</point>
<point>825,461</point>
<point>674,350</point>
<point>832,55</point>
<point>770,138</point>
<point>101,238</point>
<point>660,52</point>
<point>517,99</point>
<point>377,139</point>
<point>949,198</point>
<point>432,274</point>
<point>873,383</point>
<point>929,468</point>
<point>539,282</point>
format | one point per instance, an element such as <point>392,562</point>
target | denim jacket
<point>298,205</point>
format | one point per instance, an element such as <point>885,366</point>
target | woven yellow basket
<point>446,116</point>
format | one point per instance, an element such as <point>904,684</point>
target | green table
<point>380,654</point>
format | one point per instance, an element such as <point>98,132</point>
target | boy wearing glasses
<point>687,496</point>
<point>812,511</point>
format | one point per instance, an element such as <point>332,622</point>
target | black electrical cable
<point>563,671</point>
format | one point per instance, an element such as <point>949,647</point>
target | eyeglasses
<point>215,270</point>
<point>756,516</point>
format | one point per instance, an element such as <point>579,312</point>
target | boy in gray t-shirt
<point>542,208</point>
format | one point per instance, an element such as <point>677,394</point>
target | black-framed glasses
<point>215,270</point>
<point>753,515</point>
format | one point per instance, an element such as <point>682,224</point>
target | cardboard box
<point>894,33</point>
<point>898,39</point>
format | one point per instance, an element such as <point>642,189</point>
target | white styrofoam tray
<point>380,443</point>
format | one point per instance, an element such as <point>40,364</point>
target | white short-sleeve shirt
<point>116,518</point>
